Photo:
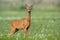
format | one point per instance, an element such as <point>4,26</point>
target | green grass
<point>45,25</point>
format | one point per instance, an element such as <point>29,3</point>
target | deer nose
<point>29,11</point>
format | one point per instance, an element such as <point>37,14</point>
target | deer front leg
<point>26,32</point>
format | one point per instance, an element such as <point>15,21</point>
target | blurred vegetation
<point>44,5</point>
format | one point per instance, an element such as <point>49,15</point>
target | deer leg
<point>27,28</point>
<point>25,32</point>
<point>13,31</point>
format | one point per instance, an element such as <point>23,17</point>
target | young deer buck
<point>22,24</point>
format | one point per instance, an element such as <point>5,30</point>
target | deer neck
<point>28,15</point>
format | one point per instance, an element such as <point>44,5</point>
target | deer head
<point>28,7</point>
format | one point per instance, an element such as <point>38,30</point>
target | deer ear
<point>26,5</point>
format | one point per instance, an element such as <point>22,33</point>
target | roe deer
<point>22,24</point>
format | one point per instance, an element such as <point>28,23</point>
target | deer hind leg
<point>13,31</point>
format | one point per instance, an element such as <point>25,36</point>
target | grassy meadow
<point>45,25</point>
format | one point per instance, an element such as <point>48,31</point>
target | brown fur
<point>22,24</point>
